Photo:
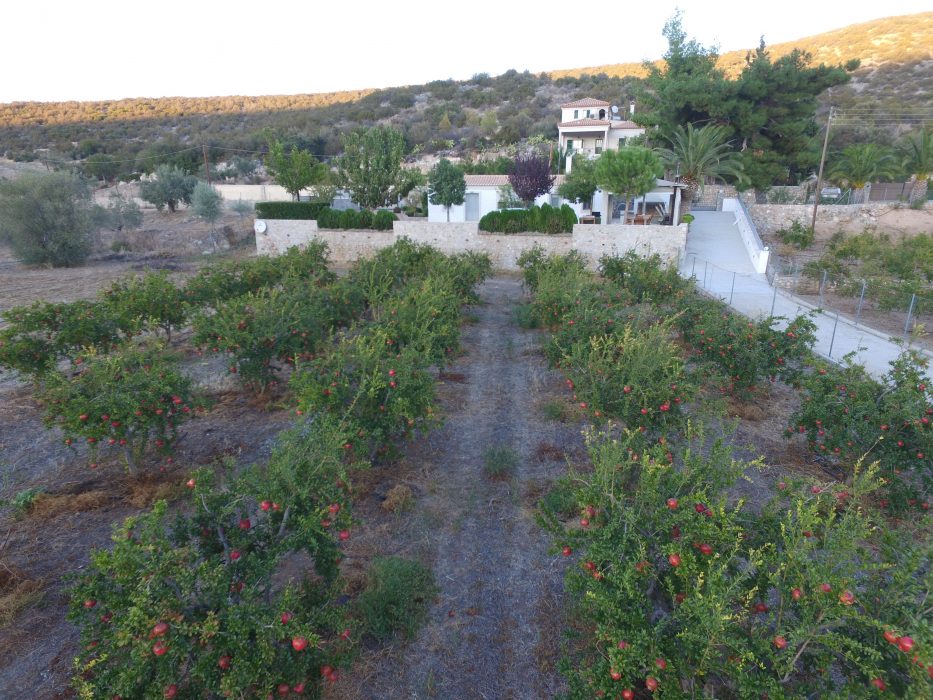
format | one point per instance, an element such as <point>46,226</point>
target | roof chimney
<point>631,108</point>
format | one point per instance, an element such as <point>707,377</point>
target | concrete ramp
<point>714,238</point>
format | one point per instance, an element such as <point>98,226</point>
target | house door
<point>472,206</point>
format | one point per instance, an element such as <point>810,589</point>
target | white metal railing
<point>757,251</point>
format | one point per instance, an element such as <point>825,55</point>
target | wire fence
<point>901,309</point>
<point>875,336</point>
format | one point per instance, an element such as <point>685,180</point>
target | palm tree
<point>917,152</point>
<point>699,154</point>
<point>859,164</point>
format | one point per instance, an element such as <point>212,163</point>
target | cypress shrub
<point>543,219</point>
<point>289,210</point>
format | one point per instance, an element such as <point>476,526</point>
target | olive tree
<point>48,218</point>
<point>208,205</point>
<point>169,187</point>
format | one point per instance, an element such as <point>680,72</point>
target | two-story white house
<point>589,126</point>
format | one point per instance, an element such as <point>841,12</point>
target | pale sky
<point>107,49</point>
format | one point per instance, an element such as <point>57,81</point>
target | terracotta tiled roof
<point>486,180</point>
<point>586,122</point>
<point>497,180</point>
<point>585,102</point>
<point>624,125</point>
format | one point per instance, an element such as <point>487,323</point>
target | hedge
<point>380,220</point>
<point>543,219</point>
<point>289,210</point>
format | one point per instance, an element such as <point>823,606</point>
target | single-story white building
<point>483,194</point>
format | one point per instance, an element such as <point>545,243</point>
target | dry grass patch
<point>16,593</point>
<point>549,452</point>
<point>398,499</point>
<point>48,505</point>
<point>746,410</point>
<point>144,493</point>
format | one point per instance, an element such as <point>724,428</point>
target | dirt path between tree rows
<point>495,628</point>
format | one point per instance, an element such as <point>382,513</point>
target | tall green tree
<point>701,153</point>
<point>917,159</point>
<point>370,167</point>
<point>169,187</point>
<point>860,164</point>
<point>771,109</point>
<point>580,185</point>
<point>447,185</point>
<point>47,218</point>
<point>686,88</point>
<point>632,170</point>
<point>296,170</point>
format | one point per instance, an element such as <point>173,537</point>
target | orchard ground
<point>498,619</point>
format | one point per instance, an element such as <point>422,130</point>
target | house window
<point>599,146</point>
<point>569,145</point>
<point>587,114</point>
<point>555,200</point>
<point>576,114</point>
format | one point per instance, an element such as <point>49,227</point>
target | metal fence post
<point>822,284</point>
<point>861,299</point>
<point>774,298</point>
<point>910,311</point>
<point>693,270</point>
<point>832,340</point>
<point>732,291</point>
<point>705,270</point>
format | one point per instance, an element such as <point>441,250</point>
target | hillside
<point>896,54</point>
<point>896,76</point>
<point>892,40</point>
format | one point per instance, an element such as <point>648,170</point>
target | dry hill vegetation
<point>896,55</point>
<point>896,75</point>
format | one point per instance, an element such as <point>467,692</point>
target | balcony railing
<point>588,152</point>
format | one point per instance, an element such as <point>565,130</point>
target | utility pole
<point>207,167</point>
<point>819,177</point>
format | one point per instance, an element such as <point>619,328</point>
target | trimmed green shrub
<point>543,219</point>
<point>380,220</point>
<point>383,220</point>
<point>289,210</point>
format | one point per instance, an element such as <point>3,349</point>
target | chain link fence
<point>901,309</point>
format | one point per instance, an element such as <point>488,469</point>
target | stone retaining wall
<point>593,241</point>
<point>769,218</point>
